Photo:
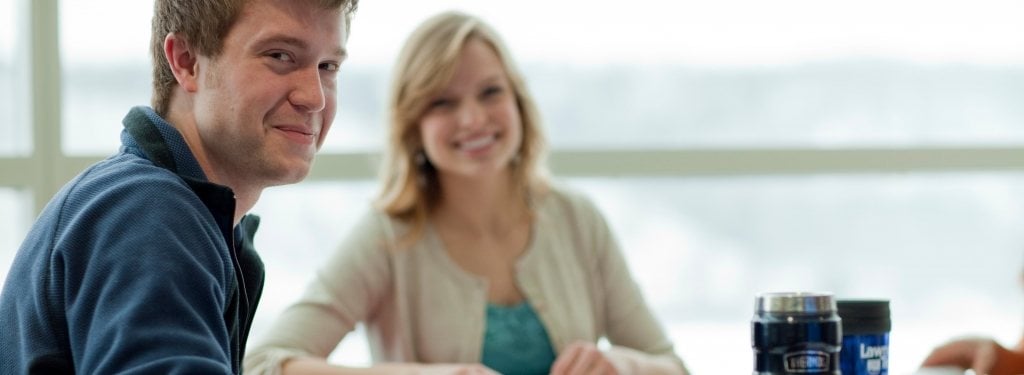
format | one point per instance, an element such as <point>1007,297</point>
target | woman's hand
<point>978,354</point>
<point>310,365</point>
<point>584,358</point>
<point>457,369</point>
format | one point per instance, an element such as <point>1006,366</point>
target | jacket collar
<point>166,147</point>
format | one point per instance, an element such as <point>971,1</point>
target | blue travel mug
<point>866,326</point>
<point>795,333</point>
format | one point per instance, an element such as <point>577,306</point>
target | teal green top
<point>515,341</point>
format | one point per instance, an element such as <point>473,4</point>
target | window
<point>101,79</point>
<point>300,226</point>
<point>14,130</point>
<point>701,248</point>
<point>14,219</point>
<point>938,246</point>
<point>790,74</point>
<point>661,82</point>
<point>793,73</point>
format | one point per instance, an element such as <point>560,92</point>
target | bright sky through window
<point>730,32</point>
<point>7,24</point>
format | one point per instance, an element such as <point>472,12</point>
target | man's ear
<point>183,60</point>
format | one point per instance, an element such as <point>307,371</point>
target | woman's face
<point>473,127</point>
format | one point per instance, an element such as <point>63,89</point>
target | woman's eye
<point>491,91</point>
<point>440,103</point>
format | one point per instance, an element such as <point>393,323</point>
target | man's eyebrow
<point>297,43</point>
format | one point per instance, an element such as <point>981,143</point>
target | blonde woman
<point>472,262</point>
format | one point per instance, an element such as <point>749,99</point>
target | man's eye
<point>281,56</point>
<point>330,67</point>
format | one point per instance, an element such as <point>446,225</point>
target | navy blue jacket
<point>133,267</point>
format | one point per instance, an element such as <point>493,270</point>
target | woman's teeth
<point>477,143</point>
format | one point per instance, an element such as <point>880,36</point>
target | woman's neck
<point>480,206</point>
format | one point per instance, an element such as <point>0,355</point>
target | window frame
<point>47,168</point>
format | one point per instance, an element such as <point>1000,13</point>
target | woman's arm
<point>319,366</point>
<point>345,291</point>
<point>1009,361</point>
<point>644,363</point>
<point>983,355</point>
<point>639,343</point>
<point>585,358</point>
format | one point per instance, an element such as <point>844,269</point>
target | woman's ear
<point>183,60</point>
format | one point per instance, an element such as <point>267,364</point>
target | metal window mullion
<point>45,117</point>
<point>730,162</point>
<point>17,172</point>
<point>785,161</point>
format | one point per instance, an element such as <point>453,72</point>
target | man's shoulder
<point>125,204</point>
<point>123,189</point>
<point>125,176</point>
<point>126,168</point>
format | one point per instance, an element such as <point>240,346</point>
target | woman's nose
<point>471,114</point>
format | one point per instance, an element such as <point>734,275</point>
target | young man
<point>144,262</point>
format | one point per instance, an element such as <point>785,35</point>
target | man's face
<point>265,104</point>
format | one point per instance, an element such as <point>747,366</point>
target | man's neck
<point>244,202</point>
<point>246,194</point>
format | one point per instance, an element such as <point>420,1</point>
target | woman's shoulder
<point>566,209</point>
<point>377,229</point>
<point>565,199</point>
<point>375,221</point>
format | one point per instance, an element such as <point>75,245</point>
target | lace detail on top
<point>515,341</point>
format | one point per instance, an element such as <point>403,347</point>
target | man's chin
<point>292,175</point>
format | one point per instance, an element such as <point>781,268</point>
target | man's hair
<point>204,24</point>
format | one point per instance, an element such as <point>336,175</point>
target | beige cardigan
<point>419,306</point>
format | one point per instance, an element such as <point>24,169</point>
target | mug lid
<point>795,302</point>
<point>864,316</point>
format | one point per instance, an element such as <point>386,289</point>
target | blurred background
<point>873,149</point>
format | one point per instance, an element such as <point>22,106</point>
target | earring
<point>420,159</point>
<point>421,168</point>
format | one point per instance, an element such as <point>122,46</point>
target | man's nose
<point>308,92</point>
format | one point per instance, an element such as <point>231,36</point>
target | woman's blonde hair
<point>424,68</point>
